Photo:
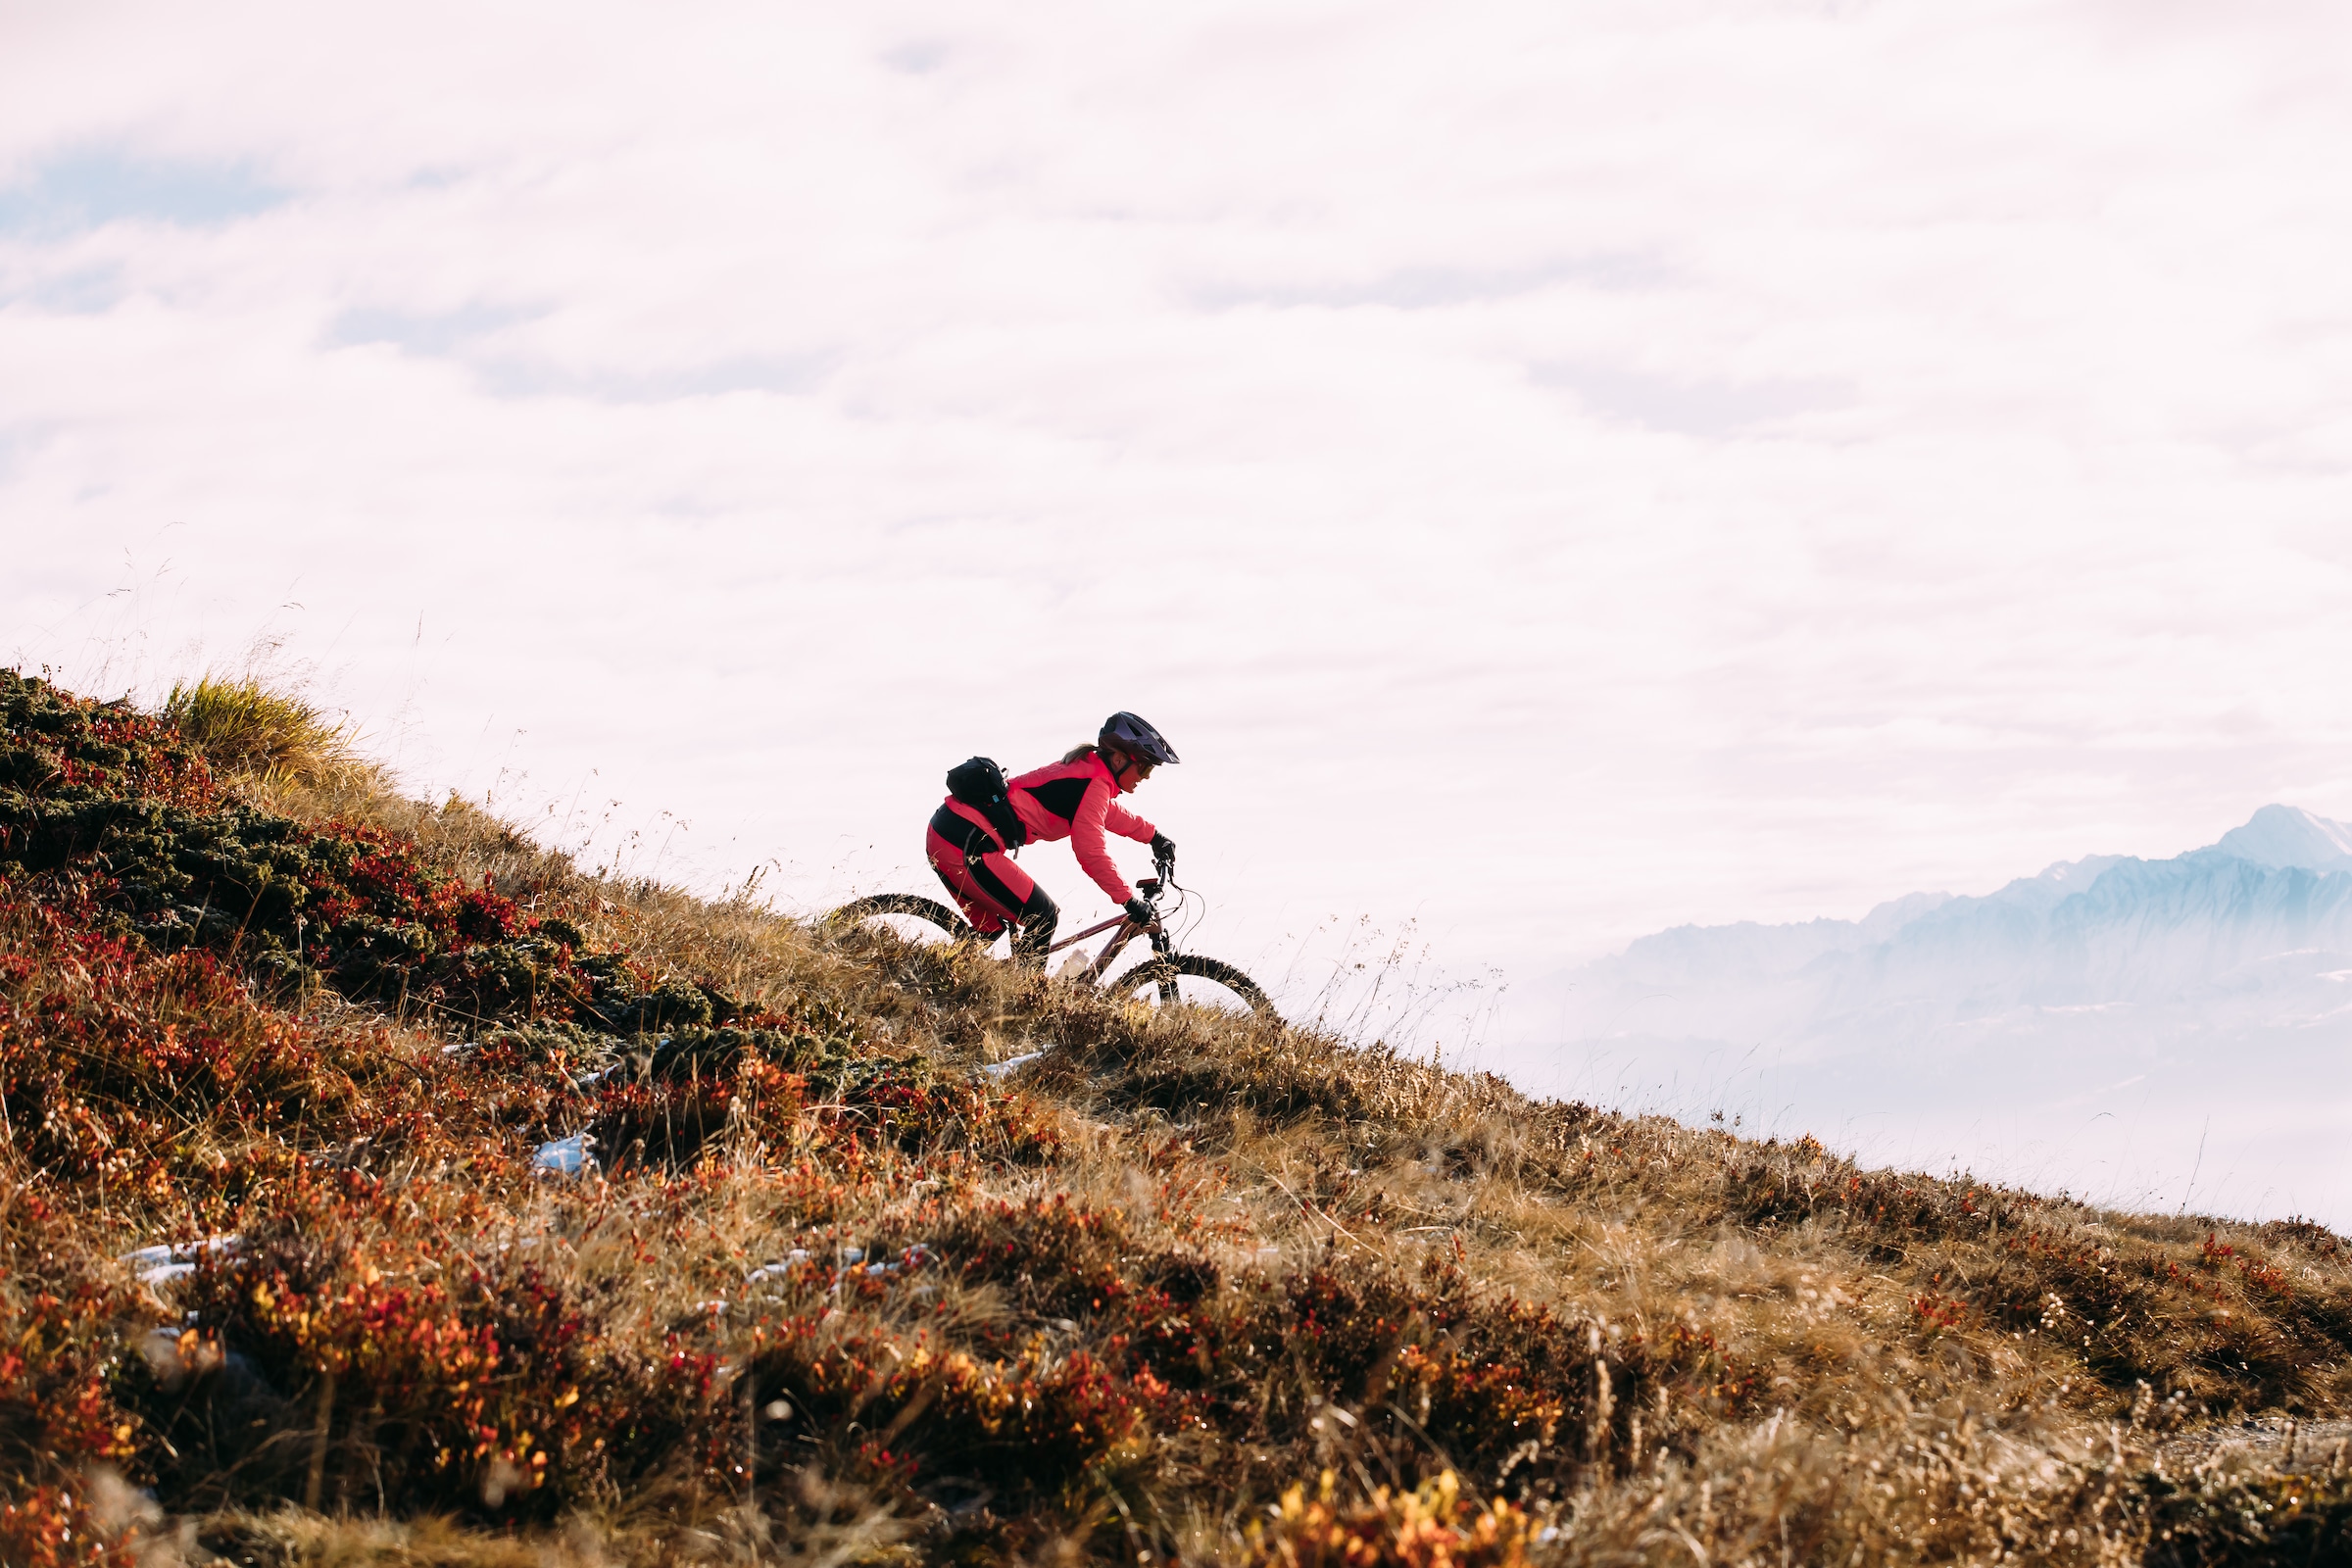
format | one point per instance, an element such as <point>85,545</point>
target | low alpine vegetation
<point>377,1188</point>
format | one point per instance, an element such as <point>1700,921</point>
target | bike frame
<point>1150,888</point>
<point>1160,972</point>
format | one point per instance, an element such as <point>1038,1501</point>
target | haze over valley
<point>2145,1032</point>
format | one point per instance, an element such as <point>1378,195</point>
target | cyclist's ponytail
<point>1076,753</point>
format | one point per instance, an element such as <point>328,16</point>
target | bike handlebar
<point>1150,887</point>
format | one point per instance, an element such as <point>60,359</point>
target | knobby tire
<point>1158,974</point>
<point>1163,974</point>
<point>921,909</point>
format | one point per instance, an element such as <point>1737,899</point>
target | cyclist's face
<point>1130,770</point>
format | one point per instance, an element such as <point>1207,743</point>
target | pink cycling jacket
<point>1079,800</point>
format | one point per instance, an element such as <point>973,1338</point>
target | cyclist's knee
<point>1040,915</point>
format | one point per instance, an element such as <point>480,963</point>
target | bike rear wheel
<point>930,911</point>
<point>1161,974</point>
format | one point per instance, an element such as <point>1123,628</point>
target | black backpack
<point>978,783</point>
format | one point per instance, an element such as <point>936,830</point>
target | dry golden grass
<point>248,729</point>
<point>1716,1351</point>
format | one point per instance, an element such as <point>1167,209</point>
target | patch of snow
<point>1010,1064</point>
<point>162,1263</point>
<point>566,1157</point>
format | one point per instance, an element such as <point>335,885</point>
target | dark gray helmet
<point>1136,738</point>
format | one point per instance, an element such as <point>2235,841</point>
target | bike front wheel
<point>1161,976</point>
<point>929,910</point>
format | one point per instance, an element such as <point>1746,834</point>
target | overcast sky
<point>1554,470</point>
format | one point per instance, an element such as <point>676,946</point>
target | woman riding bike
<point>1074,799</point>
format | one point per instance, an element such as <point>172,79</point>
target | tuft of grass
<point>247,730</point>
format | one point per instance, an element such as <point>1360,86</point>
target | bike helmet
<point>1136,738</point>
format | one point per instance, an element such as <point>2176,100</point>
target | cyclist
<point>1074,799</point>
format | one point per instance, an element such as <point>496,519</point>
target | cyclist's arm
<point>1125,823</point>
<point>1086,838</point>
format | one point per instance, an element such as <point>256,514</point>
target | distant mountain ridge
<point>2282,835</point>
<point>2104,929</point>
<point>2217,983</point>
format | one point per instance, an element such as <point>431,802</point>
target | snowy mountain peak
<point>2286,835</point>
<point>2076,873</point>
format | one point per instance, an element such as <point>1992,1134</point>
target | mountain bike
<point>1158,973</point>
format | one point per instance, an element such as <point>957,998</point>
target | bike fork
<point>1162,948</point>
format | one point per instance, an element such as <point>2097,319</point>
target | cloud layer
<point>1555,471</point>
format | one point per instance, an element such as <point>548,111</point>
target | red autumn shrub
<point>122,1064</point>
<point>1021,1425</point>
<point>440,1375</point>
<point>52,1527</point>
<point>1433,1526</point>
<point>60,1343</point>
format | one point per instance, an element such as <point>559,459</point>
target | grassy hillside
<point>1191,1287</point>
